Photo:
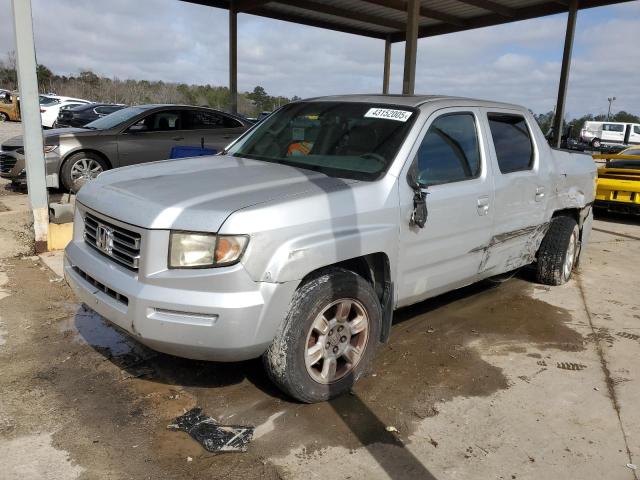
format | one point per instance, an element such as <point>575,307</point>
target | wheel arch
<point>375,269</point>
<point>581,216</point>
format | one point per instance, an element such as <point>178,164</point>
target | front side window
<point>159,122</point>
<point>343,139</point>
<point>636,129</point>
<point>450,151</point>
<point>609,127</point>
<point>512,142</point>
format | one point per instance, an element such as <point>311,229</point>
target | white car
<point>49,111</point>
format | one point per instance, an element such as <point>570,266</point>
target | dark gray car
<point>138,134</point>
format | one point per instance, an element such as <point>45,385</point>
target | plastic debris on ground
<point>211,435</point>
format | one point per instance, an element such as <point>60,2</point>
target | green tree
<point>44,77</point>
<point>260,97</point>
<point>623,116</point>
<point>88,77</point>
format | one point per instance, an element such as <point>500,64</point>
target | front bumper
<point>12,167</point>
<point>208,314</point>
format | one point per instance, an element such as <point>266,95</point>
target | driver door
<point>456,176</point>
<point>151,138</point>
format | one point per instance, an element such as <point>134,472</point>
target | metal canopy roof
<point>388,18</point>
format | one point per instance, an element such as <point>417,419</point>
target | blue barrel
<point>184,152</point>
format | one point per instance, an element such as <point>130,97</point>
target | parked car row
<point>128,136</point>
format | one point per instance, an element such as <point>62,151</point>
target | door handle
<point>227,137</point>
<point>177,138</point>
<point>539,194</point>
<point>483,206</point>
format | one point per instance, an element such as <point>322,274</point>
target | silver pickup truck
<point>302,238</point>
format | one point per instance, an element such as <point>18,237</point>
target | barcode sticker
<point>388,114</point>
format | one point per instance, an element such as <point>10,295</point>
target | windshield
<point>115,118</point>
<point>341,139</point>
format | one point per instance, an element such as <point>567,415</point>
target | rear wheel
<point>328,338</point>
<point>80,168</point>
<point>4,117</point>
<point>558,251</point>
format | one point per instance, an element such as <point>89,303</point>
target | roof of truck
<point>411,100</point>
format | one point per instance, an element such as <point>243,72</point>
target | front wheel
<point>328,337</point>
<point>595,143</point>
<point>80,168</point>
<point>558,251</point>
<point>4,117</point>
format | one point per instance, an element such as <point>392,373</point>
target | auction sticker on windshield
<point>389,114</point>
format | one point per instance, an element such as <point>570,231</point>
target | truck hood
<point>196,194</point>
<point>51,136</point>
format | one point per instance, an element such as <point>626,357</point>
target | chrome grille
<point>117,243</point>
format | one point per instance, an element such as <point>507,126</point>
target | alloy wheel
<point>85,169</point>
<point>336,340</point>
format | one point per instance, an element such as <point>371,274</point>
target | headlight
<point>46,149</point>
<point>201,250</point>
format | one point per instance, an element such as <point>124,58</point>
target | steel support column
<point>411,47</point>
<point>233,57</point>
<point>564,72</point>
<point>387,66</point>
<point>31,121</point>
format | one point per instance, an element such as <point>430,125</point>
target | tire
<point>595,143</point>
<point>558,251</point>
<point>73,167</point>
<point>4,117</point>
<point>296,359</point>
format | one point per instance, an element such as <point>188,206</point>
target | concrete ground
<point>495,381</point>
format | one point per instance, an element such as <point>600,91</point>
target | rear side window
<point>203,120</point>
<point>636,129</point>
<point>512,142</point>
<point>450,150</point>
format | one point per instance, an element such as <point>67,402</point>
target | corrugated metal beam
<point>524,13</point>
<point>411,47</point>
<point>248,5</point>
<point>295,18</point>
<point>31,121</point>
<point>386,74</point>
<point>491,6</point>
<point>344,13</point>
<point>564,72</point>
<point>426,12</point>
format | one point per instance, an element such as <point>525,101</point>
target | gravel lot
<point>495,381</point>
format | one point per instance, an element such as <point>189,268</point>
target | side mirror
<point>420,212</point>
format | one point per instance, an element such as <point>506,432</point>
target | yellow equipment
<point>618,188</point>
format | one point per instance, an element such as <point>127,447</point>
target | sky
<point>176,41</point>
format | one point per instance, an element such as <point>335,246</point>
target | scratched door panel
<point>521,199</point>
<point>443,254</point>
